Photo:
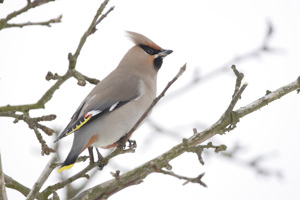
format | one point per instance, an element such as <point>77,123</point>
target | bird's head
<point>146,53</point>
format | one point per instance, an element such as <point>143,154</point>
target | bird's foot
<point>131,144</point>
<point>100,159</point>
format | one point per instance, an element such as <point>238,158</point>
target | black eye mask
<point>149,50</point>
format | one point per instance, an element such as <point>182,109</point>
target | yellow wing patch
<point>80,125</point>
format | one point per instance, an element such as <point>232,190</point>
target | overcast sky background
<point>205,35</point>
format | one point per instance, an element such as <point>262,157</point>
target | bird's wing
<point>102,104</point>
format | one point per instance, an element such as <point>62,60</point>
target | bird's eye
<point>149,51</point>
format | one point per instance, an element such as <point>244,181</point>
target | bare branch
<point>268,98</point>
<point>45,149</point>
<point>13,184</point>
<point>188,180</point>
<point>60,79</point>
<point>135,176</point>
<point>101,18</point>
<point>41,180</point>
<point>62,184</point>
<point>46,23</point>
<point>73,58</point>
<point>29,5</point>
<point>71,72</point>
<point>239,79</point>
<point>199,150</point>
<point>33,124</point>
<point>91,80</point>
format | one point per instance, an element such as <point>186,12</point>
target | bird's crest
<point>139,39</point>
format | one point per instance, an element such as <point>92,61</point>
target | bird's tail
<point>69,162</point>
<point>80,143</point>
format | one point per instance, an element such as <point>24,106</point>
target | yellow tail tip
<point>65,168</point>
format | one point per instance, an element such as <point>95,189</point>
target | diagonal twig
<point>13,184</point>
<point>43,177</point>
<point>101,18</point>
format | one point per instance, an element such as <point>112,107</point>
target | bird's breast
<point>111,127</point>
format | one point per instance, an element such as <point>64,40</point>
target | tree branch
<point>199,150</point>
<point>268,98</point>
<point>34,125</point>
<point>43,177</point>
<point>71,72</point>
<point>73,58</point>
<point>118,151</point>
<point>13,184</point>
<point>46,23</point>
<point>62,184</point>
<point>188,180</point>
<point>29,5</point>
<point>135,176</point>
<point>101,18</point>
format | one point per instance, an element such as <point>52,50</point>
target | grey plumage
<point>113,107</point>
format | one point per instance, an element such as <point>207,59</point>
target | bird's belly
<point>116,124</point>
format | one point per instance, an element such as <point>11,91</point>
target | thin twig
<point>73,58</point>
<point>239,79</point>
<point>46,23</point>
<point>268,98</point>
<point>70,73</point>
<point>29,5</point>
<point>188,180</point>
<point>34,125</point>
<point>32,122</point>
<point>101,18</point>
<point>91,80</point>
<point>199,150</point>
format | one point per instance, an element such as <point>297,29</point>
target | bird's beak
<point>164,52</point>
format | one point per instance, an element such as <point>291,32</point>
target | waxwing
<point>118,101</point>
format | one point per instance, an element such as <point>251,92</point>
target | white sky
<point>203,34</point>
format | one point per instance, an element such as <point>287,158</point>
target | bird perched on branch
<point>117,102</point>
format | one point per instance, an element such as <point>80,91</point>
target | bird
<point>117,102</point>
